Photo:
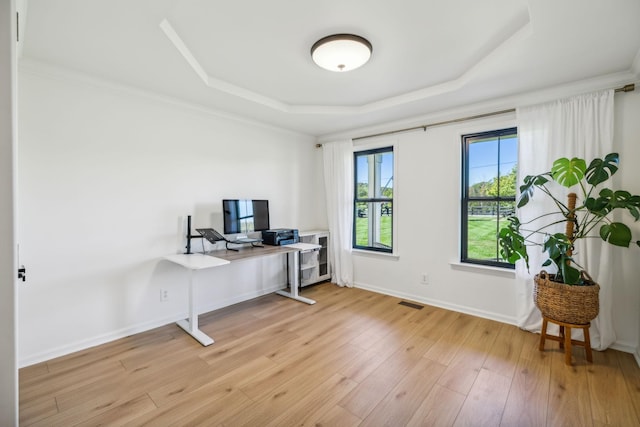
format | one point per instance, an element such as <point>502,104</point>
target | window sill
<point>505,272</point>
<point>374,254</point>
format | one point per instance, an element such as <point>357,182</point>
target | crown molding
<point>37,68</point>
<point>609,81</point>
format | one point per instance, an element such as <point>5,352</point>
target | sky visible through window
<point>484,165</point>
<point>483,156</point>
<point>386,170</point>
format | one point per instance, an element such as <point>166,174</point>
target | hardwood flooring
<point>355,358</point>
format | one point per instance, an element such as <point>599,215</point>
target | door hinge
<point>22,273</point>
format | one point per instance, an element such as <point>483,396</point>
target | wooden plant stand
<point>565,338</point>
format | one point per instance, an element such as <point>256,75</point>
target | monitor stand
<point>255,243</point>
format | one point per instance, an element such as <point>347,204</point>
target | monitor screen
<point>245,216</point>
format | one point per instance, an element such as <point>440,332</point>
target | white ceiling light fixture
<point>341,52</point>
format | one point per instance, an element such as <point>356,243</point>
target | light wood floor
<point>355,358</point>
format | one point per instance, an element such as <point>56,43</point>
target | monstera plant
<point>587,214</point>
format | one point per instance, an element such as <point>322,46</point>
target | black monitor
<point>245,216</point>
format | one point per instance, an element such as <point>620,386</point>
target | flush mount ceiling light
<point>341,52</point>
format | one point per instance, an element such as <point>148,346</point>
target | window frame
<point>360,151</point>
<point>465,198</point>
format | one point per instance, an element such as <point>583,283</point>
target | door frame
<point>8,248</point>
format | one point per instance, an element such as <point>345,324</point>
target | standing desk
<point>218,258</point>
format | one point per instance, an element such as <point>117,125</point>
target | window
<point>489,166</point>
<point>373,200</point>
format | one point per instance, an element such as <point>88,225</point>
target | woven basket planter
<point>566,303</point>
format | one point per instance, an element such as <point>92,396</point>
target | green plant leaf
<point>526,191</point>
<point>634,207</point>
<point>570,275</point>
<point>624,199</point>
<point>597,206</point>
<point>556,245</point>
<point>631,203</point>
<point>616,233</point>
<point>600,170</point>
<point>512,243</point>
<point>568,172</point>
<point>609,200</point>
<point>530,183</point>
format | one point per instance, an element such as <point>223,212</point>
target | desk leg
<point>294,279</point>
<point>190,325</point>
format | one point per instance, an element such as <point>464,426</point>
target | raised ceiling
<point>252,58</point>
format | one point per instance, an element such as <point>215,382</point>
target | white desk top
<point>196,261</point>
<point>304,247</point>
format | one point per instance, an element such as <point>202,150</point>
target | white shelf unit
<point>315,266</point>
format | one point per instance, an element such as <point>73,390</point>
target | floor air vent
<point>412,305</point>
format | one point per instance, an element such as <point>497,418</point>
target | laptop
<point>211,235</point>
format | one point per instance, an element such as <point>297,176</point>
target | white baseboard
<point>136,329</point>
<point>498,317</point>
<point>619,345</point>
<point>623,346</point>
<point>143,327</point>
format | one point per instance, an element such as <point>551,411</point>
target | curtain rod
<point>626,88</point>
<point>446,122</point>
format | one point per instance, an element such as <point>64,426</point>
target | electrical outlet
<point>424,278</point>
<point>164,295</point>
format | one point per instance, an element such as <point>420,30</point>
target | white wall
<point>427,204</point>
<point>8,324</point>
<point>107,177</point>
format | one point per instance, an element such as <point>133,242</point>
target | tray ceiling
<point>252,58</point>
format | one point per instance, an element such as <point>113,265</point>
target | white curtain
<point>338,183</point>
<point>580,126</point>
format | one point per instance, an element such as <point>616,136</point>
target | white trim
<point>146,326</point>
<point>618,345</point>
<point>479,268</point>
<point>139,328</point>
<point>373,254</point>
<point>497,104</point>
<point>441,304</point>
<point>9,331</point>
<point>625,347</point>
<point>41,69</point>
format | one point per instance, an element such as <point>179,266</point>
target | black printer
<point>280,236</point>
